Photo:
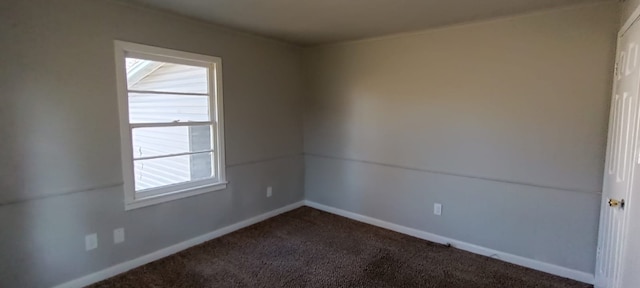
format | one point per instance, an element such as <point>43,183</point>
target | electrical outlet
<point>269,191</point>
<point>91,241</point>
<point>437,209</point>
<point>118,235</point>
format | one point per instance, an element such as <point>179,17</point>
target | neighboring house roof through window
<point>138,69</point>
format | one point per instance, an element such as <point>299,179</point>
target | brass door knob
<point>616,203</point>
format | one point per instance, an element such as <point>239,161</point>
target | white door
<point>621,161</point>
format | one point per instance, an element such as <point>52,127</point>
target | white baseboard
<point>131,264</point>
<point>514,259</point>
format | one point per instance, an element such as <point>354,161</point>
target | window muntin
<point>170,121</point>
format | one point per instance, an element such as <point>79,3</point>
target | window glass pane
<point>160,172</point>
<point>166,77</point>
<point>157,141</point>
<point>155,108</point>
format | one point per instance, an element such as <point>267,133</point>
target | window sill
<point>161,198</point>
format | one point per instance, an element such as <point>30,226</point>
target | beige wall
<point>60,170</point>
<point>509,114</point>
<point>628,7</point>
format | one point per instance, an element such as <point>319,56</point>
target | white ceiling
<point>310,22</point>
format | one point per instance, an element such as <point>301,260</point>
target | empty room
<point>284,143</point>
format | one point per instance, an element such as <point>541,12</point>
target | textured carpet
<point>310,248</point>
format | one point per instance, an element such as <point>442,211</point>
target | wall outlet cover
<point>437,209</point>
<point>118,235</point>
<point>269,191</point>
<point>91,241</point>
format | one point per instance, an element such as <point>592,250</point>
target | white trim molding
<point>131,264</point>
<point>506,257</point>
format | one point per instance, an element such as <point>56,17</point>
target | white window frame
<point>172,192</point>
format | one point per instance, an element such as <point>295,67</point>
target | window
<point>171,126</point>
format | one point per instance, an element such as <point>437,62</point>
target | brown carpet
<point>310,248</point>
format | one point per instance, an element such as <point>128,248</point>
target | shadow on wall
<point>45,237</point>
